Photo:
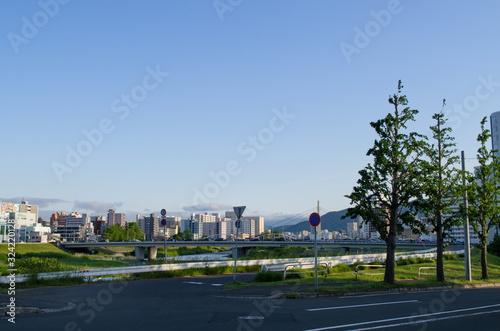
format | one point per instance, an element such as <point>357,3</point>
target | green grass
<point>405,273</point>
<point>191,272</point>
<point>189,250</point>
<point>261,253</point>
<point>102,258</point>
<point>32,248</point>
<point>34,281</point>
<point>378,285</point>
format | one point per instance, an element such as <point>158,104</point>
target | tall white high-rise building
<point>116,218</point>
<point>251,225</point>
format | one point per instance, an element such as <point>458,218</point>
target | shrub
<point>402,262</point>
<point>340,268</point>
<point>268,276</point>
<point>34,281</point>
<point>34,265</point>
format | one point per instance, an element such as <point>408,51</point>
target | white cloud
<point>207,207</point>
<point>96,207</point>
<point>40,202</point>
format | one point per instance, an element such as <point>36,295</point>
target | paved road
<point>200,303</point>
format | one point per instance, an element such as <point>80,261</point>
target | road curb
<point>392,290</point>
<point>35,310</point>
<point>251,297</point>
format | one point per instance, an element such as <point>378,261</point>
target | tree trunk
<point>484,262</point>
<point>439,252</point>
<point>390,257</point>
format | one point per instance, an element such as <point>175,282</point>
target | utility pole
<point>466,226</point>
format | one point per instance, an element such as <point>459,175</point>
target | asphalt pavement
<point>194,303</point>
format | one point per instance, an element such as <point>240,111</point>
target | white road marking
<point>428,320</point>
<point>217,284</point>
<point>364,305</point>
<point>195,283</point>
<point>406,317</point>
<point>251,317</point>
<point>368,295</point>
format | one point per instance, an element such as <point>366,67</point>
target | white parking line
<point>410,317</point>
<point>364,305</point>
<point>217,284</point>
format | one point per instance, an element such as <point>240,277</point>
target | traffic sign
<point>163,212</point>
<point>163,222</point>
<point>314,219</point>
<point>239,211</point>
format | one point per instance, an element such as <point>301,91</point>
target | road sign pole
<point>314,220</point>
<point>164,223</point>
<point>238,212</point>
<point>165,241</point>
<point>235,252</point>
<point>316,257</point>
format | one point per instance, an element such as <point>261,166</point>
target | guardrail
<point>293,266</point>
<point>368,265</point>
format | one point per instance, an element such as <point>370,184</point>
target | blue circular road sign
<point>163,222</point>
<point>314,219</point>
<point>163,212</point>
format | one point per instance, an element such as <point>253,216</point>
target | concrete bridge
<point>243,246</point>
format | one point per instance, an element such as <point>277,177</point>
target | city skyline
<point>197,107</point>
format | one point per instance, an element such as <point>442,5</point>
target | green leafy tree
<point>117,232</point>
<point>482,193</point>
<point>178,236</point>
<point>441,185</point>
<point>112,233</point>
<point>133,231</point>
<point>187,234</point>
<point>384,192</point>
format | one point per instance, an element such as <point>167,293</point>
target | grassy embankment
<point>48,257</point>
<point>60,260</point>
<point>36,258</point>
<point>261,253</point>
<point>406,274</point>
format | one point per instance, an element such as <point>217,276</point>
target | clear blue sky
<point>304,78</point>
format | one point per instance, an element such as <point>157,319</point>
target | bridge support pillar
<point>152,252</point>
<point>242,251</point>
<point>344,250</point>
<point>139,252</point>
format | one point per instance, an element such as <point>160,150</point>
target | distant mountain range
<point>330,221</point>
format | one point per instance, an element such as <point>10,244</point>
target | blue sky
<point>202,105</point>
